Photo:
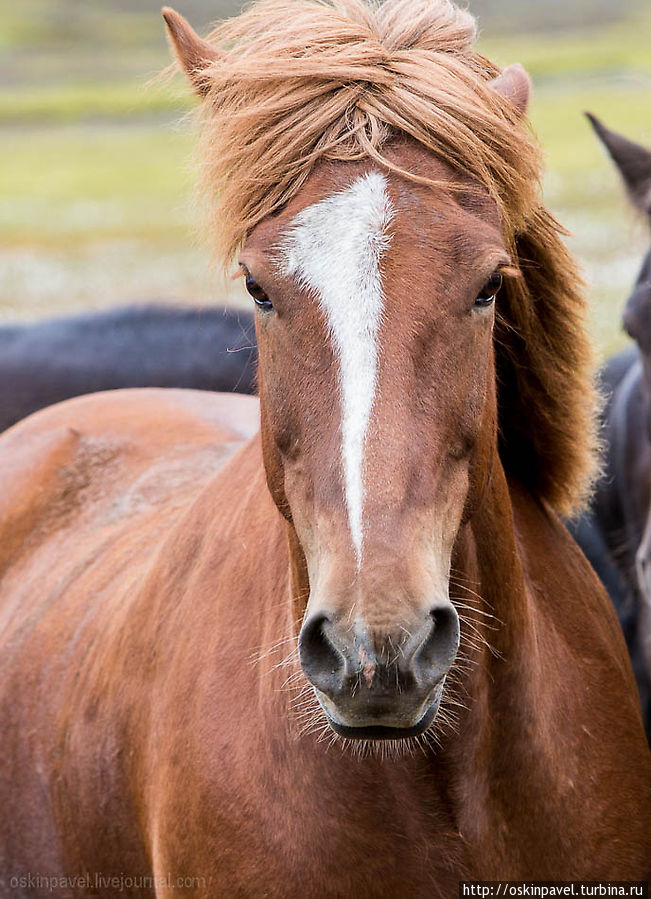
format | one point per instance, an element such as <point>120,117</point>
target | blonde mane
<point>296,81</point>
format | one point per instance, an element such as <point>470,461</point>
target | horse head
<point>378,420</point>
<point>633,162</point>
<point>375,252</point>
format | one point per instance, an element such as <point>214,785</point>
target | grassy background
<point>95,167</point>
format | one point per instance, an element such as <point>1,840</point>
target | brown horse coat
<point>197,665</point>
<point>141,735</point>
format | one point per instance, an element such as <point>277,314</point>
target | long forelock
<point>302,80</point>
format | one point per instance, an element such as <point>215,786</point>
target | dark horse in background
<point>153,345</point>
<point>616,533</point>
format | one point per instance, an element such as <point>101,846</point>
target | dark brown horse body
<point>620,513</point>
<point>184,647</point>
<point>152,345</point>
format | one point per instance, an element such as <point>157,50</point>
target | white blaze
<point>334,249</point>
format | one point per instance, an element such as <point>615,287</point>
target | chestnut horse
<point>364,657</point>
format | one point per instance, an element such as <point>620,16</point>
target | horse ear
<point>515,86</point>
<point>194,54</point>
<point>632,160</point>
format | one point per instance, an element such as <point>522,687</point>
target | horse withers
<point>620,514</point>
<point>364,657</point>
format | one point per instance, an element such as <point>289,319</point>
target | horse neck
<point>505,676</point>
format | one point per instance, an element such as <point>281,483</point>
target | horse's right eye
<point>488,292</point>
<point>260,298</point>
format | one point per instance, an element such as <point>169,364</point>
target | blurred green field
<point>96,177</point>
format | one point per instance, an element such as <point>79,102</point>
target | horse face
<point>375,317</point>
<point>633,162</point>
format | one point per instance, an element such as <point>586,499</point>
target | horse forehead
<point>375,234</point>
<point>348,227</point>
<point>337,223</point>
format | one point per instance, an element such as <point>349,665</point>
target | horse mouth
<point>384,732</point>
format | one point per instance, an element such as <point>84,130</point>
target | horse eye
<point>260,298</point>
<point>487,294</point>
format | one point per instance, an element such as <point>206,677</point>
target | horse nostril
<point>439,648</point>
<point>321,662</point>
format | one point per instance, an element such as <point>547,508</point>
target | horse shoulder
<point>95,494</point>
<point>587,710</point>
<point>83,452</point>
<point>572,609</point>
<point>569,599</point>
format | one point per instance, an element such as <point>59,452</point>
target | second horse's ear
<point>515,86</point>
<point>194,54</point>
<point>633,162</point>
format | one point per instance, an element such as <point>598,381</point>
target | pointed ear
<point>515,86</point>
<point>194,54</point>
<point>632,160</point>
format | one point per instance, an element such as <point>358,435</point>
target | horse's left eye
<point>260,298</point>
<point>487,294</point>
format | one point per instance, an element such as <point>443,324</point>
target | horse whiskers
<point>310,716</point>
<point>463,662</point>
<point>296,674</point>
<point>472,636</point>
<point>430,741</point>
<point>286,662</point>
<point>469,624</point>
<point>304,711</point>
<point>295,688</point>
<point>464,605</point>
<point>461,579</point>
<point>311,721</point>
<point>304,699</point>
<point>256,657</point>
<point>479,642</point>
<point>458,673</point>
<point>472,593</point>
<point>311,724</point>
<point>463,585</point>
<point>470,630</point>
<point>259,656</point>
<point>461,575</point>
<point>456,702</point>
<point>378,750</point>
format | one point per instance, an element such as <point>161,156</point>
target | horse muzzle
<point>379,685</point>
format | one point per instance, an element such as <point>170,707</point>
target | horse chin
<point>384,732</point>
